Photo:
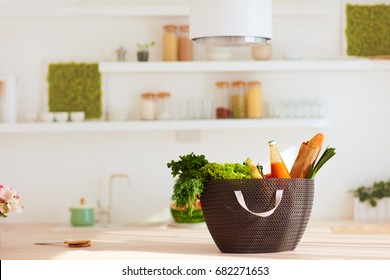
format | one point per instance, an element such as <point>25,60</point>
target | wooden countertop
<point>356,241</point>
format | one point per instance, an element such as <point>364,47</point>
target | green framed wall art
<point>368,30</point>
<point>75,87</point>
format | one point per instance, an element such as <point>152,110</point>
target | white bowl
<point>46,117</point>
<point>292,56</point>
<point>117,116</point>
<point>61,116</point>
<point>30,117</point>
<point>77,116</point>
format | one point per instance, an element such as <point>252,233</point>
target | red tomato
<point>268,175</point>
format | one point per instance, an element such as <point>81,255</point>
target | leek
<point>326,155</point>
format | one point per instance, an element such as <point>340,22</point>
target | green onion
<point>326,155</point>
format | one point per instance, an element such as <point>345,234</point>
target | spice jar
<point>254,100</point>
<point>170,39</point>
<point>148,106</point>
<point>238,100</point>
<point>222,100</point>
<point>185,44</point>
<point>163,106</point>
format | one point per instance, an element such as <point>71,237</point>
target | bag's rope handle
<point>278,199</point>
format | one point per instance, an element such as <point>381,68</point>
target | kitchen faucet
<point>108,210</point>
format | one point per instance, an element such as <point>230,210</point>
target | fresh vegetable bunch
<point>192,171</point>
<point>189,180</point>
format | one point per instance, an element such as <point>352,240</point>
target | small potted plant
<point>143,51</point>
<point>372,202</point>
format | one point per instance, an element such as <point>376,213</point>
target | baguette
<point>316,142</point>
<point>307,156</point>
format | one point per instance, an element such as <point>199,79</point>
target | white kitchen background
<point>52,170</point>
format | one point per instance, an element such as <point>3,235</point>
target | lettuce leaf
<point>215,171</point>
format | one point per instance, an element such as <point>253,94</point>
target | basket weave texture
<point>235,230</point>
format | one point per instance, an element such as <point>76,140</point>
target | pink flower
<point>10,201</point>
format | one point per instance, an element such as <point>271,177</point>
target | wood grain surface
<point>322,240</point>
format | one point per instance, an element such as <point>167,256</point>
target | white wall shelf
<point>244,66</point>
<point>135,11</point>
<point>179,125</point>
<point>95,11</point>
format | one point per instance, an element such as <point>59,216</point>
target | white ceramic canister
<point>148,106</point>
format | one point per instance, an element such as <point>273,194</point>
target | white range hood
<point>230,22</point>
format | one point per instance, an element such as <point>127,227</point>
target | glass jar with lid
<point>148,106</point>
<point>170,43</point>
<point>163,106</point>
<point>222,100</point>
<point>238,100</point>
<point>185,44</point>
<point>254,100</point>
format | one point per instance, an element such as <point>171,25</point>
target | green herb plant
<point>145,46</point>
<point>373,193</point>
<point>189,180</point>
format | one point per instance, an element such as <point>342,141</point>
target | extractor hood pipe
<point>230,22</point>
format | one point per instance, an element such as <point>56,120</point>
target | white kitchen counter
<point>170,242</point>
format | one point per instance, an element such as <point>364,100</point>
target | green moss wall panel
<point>75,87</point>
<point>368,30</point>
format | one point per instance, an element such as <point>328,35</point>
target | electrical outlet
<point>188,136</point>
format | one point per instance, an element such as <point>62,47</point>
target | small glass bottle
<point>170,40</point>
<point>148,106</point>
<point>222,100</point>
<point>238,100</point>
<point>278,168</point>
<point>185,44</point>
<point>254,100</point>
<point>163,106</point>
